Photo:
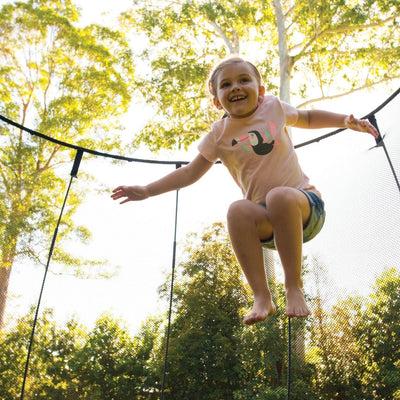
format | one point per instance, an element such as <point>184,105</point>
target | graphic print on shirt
<point>261,144</point>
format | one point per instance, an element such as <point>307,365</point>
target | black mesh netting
<point>102,321</point>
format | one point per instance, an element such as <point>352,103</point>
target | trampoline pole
<point>380,143</point>
<point>178,165</point>
<point>73,174</point>
<point>289,356</point>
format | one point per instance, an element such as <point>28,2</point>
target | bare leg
<point>288,210</point>
<point>245,219</point>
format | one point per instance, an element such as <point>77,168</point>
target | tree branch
<point>342,29</point>
<point>4,177</point>
<point>336,96</point>
<point>47,165</point>
<point>232,49</point>
<point>358,27</point>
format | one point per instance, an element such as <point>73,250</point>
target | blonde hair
<point>212,82</point>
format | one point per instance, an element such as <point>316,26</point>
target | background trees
<point>306,51</point>
<point>211,355</point>
<point>379,333</point>
<point>357,341</point>
<point>67,82</point>
<point>351,350</point>
<point>209,298</point>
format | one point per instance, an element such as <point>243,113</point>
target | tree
<point>352,349</point>
<point>212,354</point>
<point>50,374</point>
<point>71,362</point>
<point>105,364</point>
<point>263,352</point>
<point>203,358</point>
<point>70,83</point>
<point>148,359</point>
<point>340,362</point>
<point>379,336</point>
<point>319,49</point>
<point>355,344</point>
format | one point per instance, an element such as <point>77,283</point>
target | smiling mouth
<point>237,98</point>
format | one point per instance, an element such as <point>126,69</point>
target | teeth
<point>236,98</point>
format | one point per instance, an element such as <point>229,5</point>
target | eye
<point>224,84</point>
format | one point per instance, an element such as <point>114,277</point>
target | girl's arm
<point>177,179</point>
<point>316,119</point>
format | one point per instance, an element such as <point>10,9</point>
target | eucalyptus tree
<point>306,50</point>
<point>66,81</point>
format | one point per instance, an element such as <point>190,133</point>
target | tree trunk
<point>285,60</point>
<point>5,273</point>
<point>286,64</point>
<point>8,251</point>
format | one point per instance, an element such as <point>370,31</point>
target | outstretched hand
<point>130,193</point>
<point>361,125</point>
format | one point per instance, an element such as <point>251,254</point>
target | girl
<point>280,208</point>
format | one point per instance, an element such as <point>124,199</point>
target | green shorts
<point>314,224</point>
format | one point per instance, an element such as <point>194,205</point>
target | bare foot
<point>262,308</point>
<point>296,305</point>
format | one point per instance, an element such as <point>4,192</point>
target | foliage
<point>379,336</point>
<point>203,356</point>
<point>356,344</point>
<point>49,369</point>
<point>264,357</point>
<point>212,354</point>
<point>72,363</point>
<point>105,362</point>
<point>351,349</point>
<point>319,50</point>
<point>64,81</point>
<point>335,338</point>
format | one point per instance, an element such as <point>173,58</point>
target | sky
<point>139,236</point>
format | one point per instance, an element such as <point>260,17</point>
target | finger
<point>118,195</point>
<point>349,121</point>
<point>119,188</point>
<point>373,131</point>
<point>125,201</point>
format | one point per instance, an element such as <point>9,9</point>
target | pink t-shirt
<point>257,150</point>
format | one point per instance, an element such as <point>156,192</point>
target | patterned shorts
<point>314,224</point>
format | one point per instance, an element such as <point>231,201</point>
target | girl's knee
<point>281,199</point>
<point>244,215</point>
<point>282,195</point>
<point>245,211</point>
<point>237,210</point>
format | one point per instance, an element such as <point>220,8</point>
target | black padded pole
<point>73,174</point>
<point>380,143</point>
<point>178,165</point>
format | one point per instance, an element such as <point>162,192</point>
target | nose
<point>235,87</point>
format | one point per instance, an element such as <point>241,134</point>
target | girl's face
<point>237,90</point>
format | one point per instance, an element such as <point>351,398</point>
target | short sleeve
<point>291,113</point>
<point>207,147</point>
